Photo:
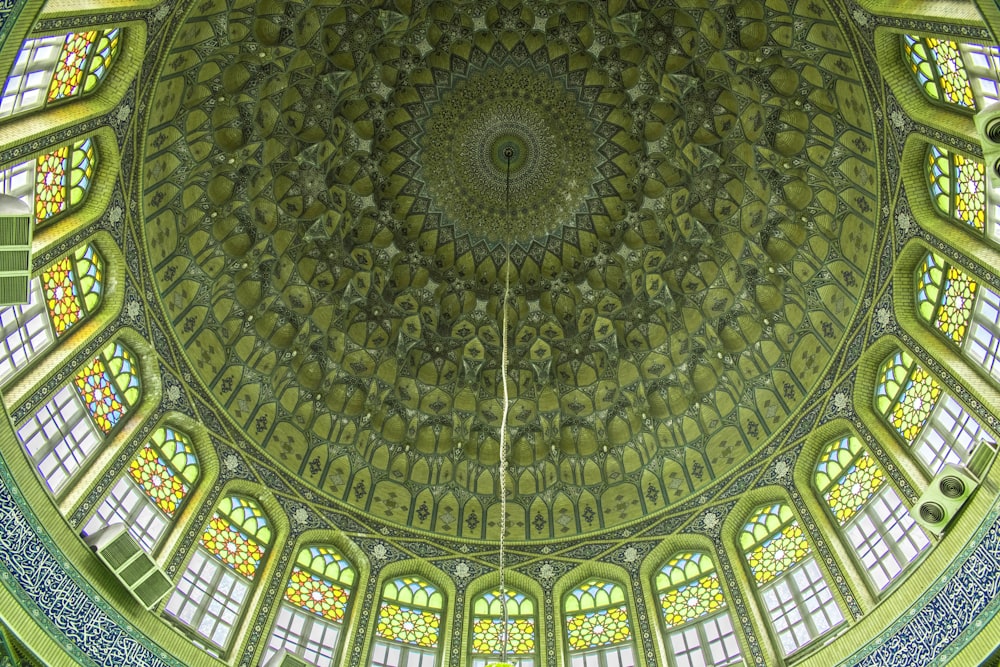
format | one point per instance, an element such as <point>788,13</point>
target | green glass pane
<point>247,515</point>
<point>82,164</point>
<point>327,563</point>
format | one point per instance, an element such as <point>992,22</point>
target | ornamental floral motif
<point>232,546</point>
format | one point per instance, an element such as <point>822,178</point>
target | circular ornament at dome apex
<point>494,114</point>
<point>693,204</point>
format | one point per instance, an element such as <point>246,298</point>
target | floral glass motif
<point>72,65</point>
<point>938,69</point>
<point>906,394</point>
<point>72,287</point>
<point>487,624</point>
<point>848,476</point>
<point>320,583</point>
<point>688,588</point>
<point>958,186</point>
<point>109,385</point>
<point>237,535</point>
<point>165,467</point>
<point>597,615</point>
<point>410,612</point>
<point>83,62</point>
<point>773,542</point>
<point>945,297</point>
<point>62,178</point>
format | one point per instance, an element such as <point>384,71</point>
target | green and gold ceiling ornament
<point>692,223</point>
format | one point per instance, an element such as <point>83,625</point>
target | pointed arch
<point>488,627</point>
<point>598,625</point>
<point>924,416</point>
<point>957,74</point>
<point>953,303</point>
<point>220,575</point>
<point>799,602</point>
<point>80,417</point>
<point>53,69</point>
<point>876,523</point>
<point>408,629</point>
<point>314,606</point>
<point>957,185</point>
<point>151,491</point>
<point>693,611</point>
<point>64,294</point>
<point>55,182</point>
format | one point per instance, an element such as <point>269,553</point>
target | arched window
<point>49,70</point>
<point>312,613</point>
<point>699,629</point>
<point>64,294</point>
<point>965,312</point>
<point>409,624</point>
<point>955,73</point>
<point>488,628</point>
<point>798,600</point>
<point>71,426</point>
<point>210,596</point>
<point>927,419</point>
<point>54,182</point>
<point>150,492</point>
<point>958,186</point>
<point>884,535</point>
<point>597,626</point>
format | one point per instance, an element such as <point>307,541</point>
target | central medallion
<point>499,111</point>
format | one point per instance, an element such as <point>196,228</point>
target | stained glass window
<point>410,612</point>
<point>958,186</point>
<point>73,287</point>
<point>165,468</point>
<point>945,296</point>
<point>109,385</point>
<point>321,583</point>
<point>938,69</point>
<point>54,182</point>
<point>884,535</point>
<point>72,425</point>
<point>52,69</point>
<point>152,489</point>
<point>238,534</point>
<point>597,622</point>
<point>798,600</point>
<point>217,581</point>
<point>65,293</point>
<point>488,627</point>
<point>773,542</point>
<point>906,394</point>
<point>927,419</point>
<point>961,309</point>
<point>699,628</point>
<point>409,624</point>
<point>315,604</point>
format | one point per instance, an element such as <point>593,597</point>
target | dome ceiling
<point>690,225</point>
